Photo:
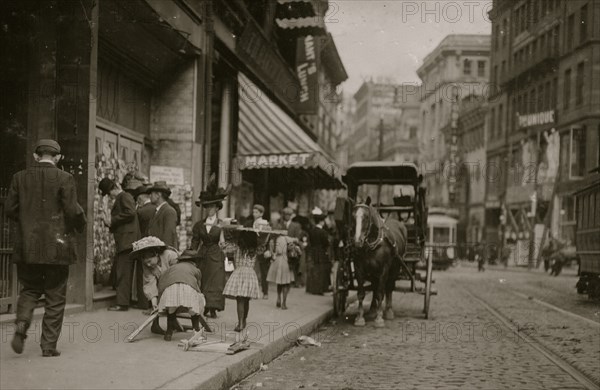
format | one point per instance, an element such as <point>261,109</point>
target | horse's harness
<point>381,229</point>
<point>381,236</point>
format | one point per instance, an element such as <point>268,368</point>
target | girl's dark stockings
<point>286,290</point>
<point>243,307</point>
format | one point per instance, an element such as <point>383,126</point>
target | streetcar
<point>441,243</point>
<point>587,201</point>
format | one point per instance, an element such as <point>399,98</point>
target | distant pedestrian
<point>206,236</point>
<point>480,257</point>
<point>123,224</point>
<point>279,270</point>
<point>42,199</point>
<point>304,243</point>
<point>164,222</point>
<point>294,254</point>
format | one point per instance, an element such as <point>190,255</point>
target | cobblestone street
<point>464,345</point>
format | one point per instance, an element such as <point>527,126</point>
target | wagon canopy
<point>381,172</point>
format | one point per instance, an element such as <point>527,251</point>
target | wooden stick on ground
<point>144,325</point>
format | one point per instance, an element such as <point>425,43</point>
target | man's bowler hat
<point>106,185</point>
<point>160,186</point>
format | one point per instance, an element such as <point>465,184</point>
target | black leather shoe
<point>155,328</point>
<point>118,308</point>
<point>18,342</point>
<point>50,353</point>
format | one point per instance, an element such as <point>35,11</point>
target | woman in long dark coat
<point>206,238</point>
<point>317,261</point>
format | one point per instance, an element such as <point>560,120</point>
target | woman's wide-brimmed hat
<point>213,194</point>
<point>160,186</point>
<point>147,243</point>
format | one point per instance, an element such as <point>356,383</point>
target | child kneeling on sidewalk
<point>179,291</point>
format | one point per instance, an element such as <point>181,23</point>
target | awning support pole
<point>224,143</point>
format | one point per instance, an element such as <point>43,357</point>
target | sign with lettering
<point>171,175</point>
<point>306,69</point>
<point>289,160</point>
<point>258,53</point>
<point>539,118</point>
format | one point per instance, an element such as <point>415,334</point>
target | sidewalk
<point>96,356</point>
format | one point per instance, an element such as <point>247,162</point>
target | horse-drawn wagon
<point>382,241</point>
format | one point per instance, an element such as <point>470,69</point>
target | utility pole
<point>380,155</point>
<point>380,137</point>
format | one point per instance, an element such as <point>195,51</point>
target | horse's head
<point>365,218</point>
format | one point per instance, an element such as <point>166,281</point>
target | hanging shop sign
<point>539,118</point>
<point>306,69</point>
<point>171,175</point>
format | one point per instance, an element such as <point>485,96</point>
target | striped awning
<point>269,138</point>
<point>300,17</point>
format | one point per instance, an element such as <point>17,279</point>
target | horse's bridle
<point>373,244</point>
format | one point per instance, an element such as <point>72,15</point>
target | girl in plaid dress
<point>243,283</point>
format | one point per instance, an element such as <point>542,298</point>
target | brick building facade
<point>154,86</point>
<point>543,118</point>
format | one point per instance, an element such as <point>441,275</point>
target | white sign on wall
<point>171,175</point>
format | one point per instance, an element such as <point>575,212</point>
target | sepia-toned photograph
<point>300,194</point>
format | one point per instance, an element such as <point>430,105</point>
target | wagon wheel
<point>340,291</point>
<point>427,285</point>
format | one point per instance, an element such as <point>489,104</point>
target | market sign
<point>171,175</point>
<point>539,118</point>
<point>289,160</point>
<point>306,69</point>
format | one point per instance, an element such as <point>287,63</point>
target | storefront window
<point>564,155</point>
<point>578,152</point>
<point>567,218</point>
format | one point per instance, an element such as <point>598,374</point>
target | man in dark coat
<point>163,224</point>
<point>43,201</point>
<point>145,212</point>
<point>123,224</point>
<point>145,209</point>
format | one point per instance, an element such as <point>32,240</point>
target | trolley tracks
<point>556,308</point>
<point>584,378</point>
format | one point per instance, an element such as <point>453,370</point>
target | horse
<point>380,247</point>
